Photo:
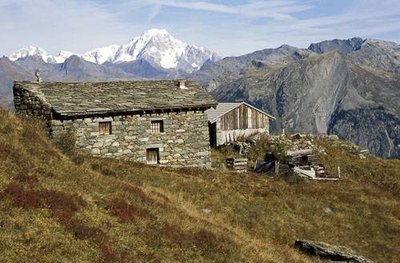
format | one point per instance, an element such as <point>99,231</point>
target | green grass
<point>59,208</point>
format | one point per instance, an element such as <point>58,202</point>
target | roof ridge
<point>214,114</point>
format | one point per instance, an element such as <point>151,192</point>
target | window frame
<point>157,126</point>
<point>105,127</point>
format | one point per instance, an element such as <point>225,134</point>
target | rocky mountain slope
<point>212,74</point>
<point>9,72</point>
<point>344,46</point>
<point>343,87</point>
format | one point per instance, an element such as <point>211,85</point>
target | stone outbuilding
<point>156,122</point>
<point>230,121</point>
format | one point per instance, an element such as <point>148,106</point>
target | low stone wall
<point>184,142</point>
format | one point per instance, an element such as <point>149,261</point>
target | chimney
<point>37,74</point>
<point>182,84</point>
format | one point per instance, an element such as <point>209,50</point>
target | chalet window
<point>105,127</point>
<point>157,126</point>
<point>153,156</point>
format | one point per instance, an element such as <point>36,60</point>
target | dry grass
<point>75,209</point>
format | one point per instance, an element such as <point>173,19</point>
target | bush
<point>126,212</point>
<point>66,141</point>
<point>103,170</point>
<point>78,159</point>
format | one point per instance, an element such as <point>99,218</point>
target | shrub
<point>78,159</point>
<point>293,178</point>
<point>6,129</point>
<point>62,205</point>
<point>66,140</point>
<point>103,170</point>
<point>259,149</point>
<point>21,197</point>
<point>139,194</point>
<point>126,212</point>
<point>27,179</point>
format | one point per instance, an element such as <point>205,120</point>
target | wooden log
<point>299,152</point>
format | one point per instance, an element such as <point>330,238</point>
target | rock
<point>297,136</point>
<point>328,210</point>
<point>95,151</point>
<point>333,137</point>
<point>206,210</point>
<point>98,144</point>
<point>113,149</point>
<point>331,252</point>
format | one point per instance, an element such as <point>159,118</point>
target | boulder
<point>330,252</point>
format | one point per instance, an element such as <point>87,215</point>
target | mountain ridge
<point>323,92</point>
<point>157,46</point>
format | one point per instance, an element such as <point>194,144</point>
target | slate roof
<point>93,98</point>
<point>222,108</point>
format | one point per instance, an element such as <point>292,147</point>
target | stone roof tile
<point>85,98</point>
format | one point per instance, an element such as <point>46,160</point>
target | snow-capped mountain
<point>159,48</point>
<point>156,46</point>
<point>101,55</point>
<point>31,51</point>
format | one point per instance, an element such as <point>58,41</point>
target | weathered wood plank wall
<point>242,118</point>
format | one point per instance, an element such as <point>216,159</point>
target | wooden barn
<point>232,120</point>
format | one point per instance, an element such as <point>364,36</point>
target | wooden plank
<point>246,118</point>
<point>235,118</point>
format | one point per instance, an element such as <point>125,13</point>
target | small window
<point>153,156</point>
<point>105,128</point>
<point>157,126</point>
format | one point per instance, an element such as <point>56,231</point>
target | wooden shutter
<point>152,156</point>
<point>105,128</point>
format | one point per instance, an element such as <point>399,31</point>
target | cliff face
<point>373,128</point>
<point>354,94</point>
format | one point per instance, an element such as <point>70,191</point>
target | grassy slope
<point>56,209</point>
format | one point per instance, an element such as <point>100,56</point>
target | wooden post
<point>276,167</point>
<point>338,171</point>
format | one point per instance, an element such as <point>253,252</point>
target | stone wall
<point>29,104</point>
<point>184,142</point>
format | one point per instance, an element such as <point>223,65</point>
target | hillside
<point>59,208</point>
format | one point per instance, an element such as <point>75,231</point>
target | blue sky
<point>227,27</point>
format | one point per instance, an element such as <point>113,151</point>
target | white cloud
<point>272,9</point>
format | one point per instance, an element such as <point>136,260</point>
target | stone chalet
<point>155,122</point>
<point>232,120</point>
